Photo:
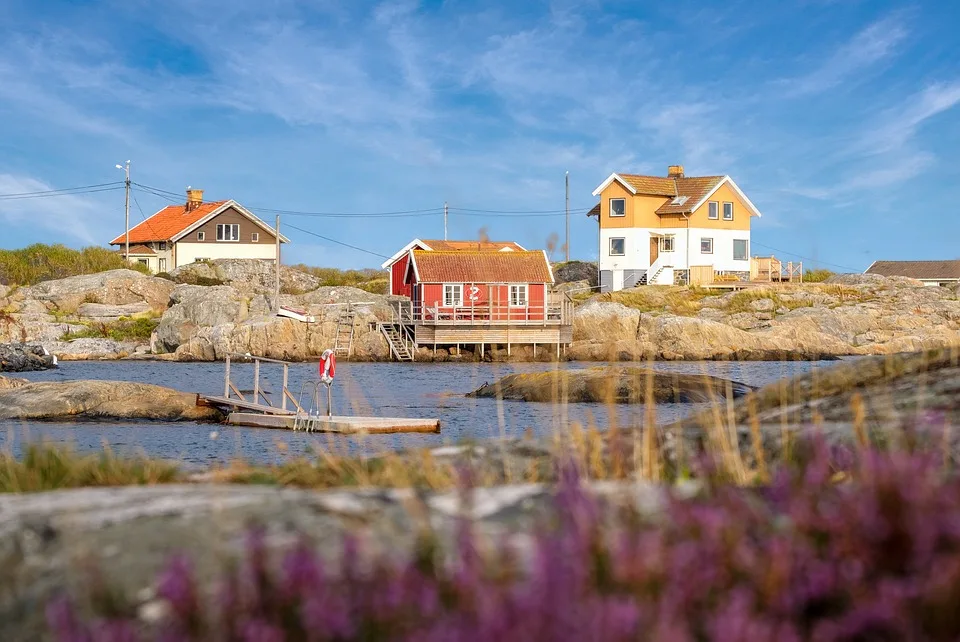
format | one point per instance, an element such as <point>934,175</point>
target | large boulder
<point>91,349</point>
<point>105,313</point>
<point>611,385</point>
<point>100,400</point>
<point>113,287</point>
<point>193,307</point>
<point>19,357</point>
<point>251,276</point>
<point>575,271</point>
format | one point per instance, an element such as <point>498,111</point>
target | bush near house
<point>817,276</point>
<point>123,329</point>
<point>371,280</point>
<point>40,262</point>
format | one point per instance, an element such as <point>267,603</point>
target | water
<point>377,389</point>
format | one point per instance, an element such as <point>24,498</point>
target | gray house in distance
<point>929,272</point>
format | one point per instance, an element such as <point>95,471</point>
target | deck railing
<point>557,310</point>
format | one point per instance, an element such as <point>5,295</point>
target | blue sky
<point>840,119</point>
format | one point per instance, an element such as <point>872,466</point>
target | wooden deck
<point>339,424</point>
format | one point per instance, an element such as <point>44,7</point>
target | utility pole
<point>126,210</point>
<point>445,212</point>
<point>567,182</point>
<point>276,285</point>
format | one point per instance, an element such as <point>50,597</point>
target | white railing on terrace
<point>558,310</point>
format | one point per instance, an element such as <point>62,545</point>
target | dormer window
<point>618,207</point>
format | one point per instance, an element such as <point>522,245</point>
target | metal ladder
<point>310,418</point>
<point>343,345</point>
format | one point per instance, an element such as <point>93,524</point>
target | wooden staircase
<point>402,347</point>
<point>343,346</point>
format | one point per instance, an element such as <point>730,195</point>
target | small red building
<point>397,264</point>
<point>478,296</point>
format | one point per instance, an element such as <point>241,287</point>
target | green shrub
<point>817,276</point>
<point>39,262</point>
<point>124,329</point>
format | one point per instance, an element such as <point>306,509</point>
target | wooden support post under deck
<point>283,395</point>
<point>534,350</point>
<point>226,377</point>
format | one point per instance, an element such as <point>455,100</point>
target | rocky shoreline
<point>123,314</point>
<point>21,357</point>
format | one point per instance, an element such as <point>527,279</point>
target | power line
<point>478,211</point>
<point>326,238</point>
<point>73,191</point>
<point>807,258</point>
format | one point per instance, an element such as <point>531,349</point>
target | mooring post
<point>283,395</point>
<point>256,381</point>
<point>226,377</point>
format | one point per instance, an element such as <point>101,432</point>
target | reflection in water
<point>378,389</point>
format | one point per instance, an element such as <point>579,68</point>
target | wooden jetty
<point>303,414</point>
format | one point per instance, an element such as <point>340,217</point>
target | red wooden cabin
<point>398,263</point>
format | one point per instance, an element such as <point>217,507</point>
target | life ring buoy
<point>328,366</point>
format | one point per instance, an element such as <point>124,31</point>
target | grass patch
<point>124,329</point>
<point>817,276</point>
<point>679,300</point>
<point>370,280</point>
<point>40,262</point>
<point>51,467</point>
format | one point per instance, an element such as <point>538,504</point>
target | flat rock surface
<point>47,539</point>
<point>611,384</point>
<point>100,400</point>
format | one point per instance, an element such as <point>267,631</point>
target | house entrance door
<point>654,249</point>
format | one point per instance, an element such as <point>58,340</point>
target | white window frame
<point>610,246</point>
<point>201,236</point>
<point>161,265</point>
<point>232,228</point>
<point>622,200</point>
<point>672,239</point>
<point>518,302</point>
<point>713,210</point>
<point>255,237</point>
<point>708,240</point>
<point>725,217</point>
<point>145,262</point>
<point>746,250</point>
<point>453,295</point>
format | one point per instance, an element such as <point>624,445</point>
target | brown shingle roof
<point>651,185</point>
<point>137,249</point>
<point>478,246</point>
<point>694,188</point>
<point>917,269</point>
<point>594,211</point>
<point>482,267</point>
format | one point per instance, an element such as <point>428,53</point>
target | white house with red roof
<point>181,234</point>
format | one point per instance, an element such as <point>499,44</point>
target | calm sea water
<point>377,389</point>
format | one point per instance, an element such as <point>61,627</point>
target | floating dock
<point>337,424</point>
<point>260,411</point>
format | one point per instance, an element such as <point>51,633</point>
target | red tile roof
<point>917,269</point>
<point>482,267</point>
<point>478,246</point>
<point>168,222</point>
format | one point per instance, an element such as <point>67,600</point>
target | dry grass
<point>679,300</point>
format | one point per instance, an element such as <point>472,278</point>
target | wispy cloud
<point>871,46</point>
<point>64,215</point>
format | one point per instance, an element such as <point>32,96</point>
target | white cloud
<point>63,215</point>
<point>874,44</point>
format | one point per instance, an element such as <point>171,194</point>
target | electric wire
<point>327,238</point>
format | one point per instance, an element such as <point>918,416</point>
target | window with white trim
<point>161,265</point>
<point>255,237</point>
<point>618,246</point>
<point>201,236</point>
<point>518,296</point>
<point>728,211</point>
<point>713,210</point>
<point>228,231</point>
<point>740,250</point>
<point>618,207</point>
<point>667,243</point>
<point>706,246</point>
<point>452,295</point>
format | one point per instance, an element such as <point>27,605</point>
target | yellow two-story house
<point>653,229</point>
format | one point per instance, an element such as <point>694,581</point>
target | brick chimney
<point>194,199</point>
<point>675,171</point>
